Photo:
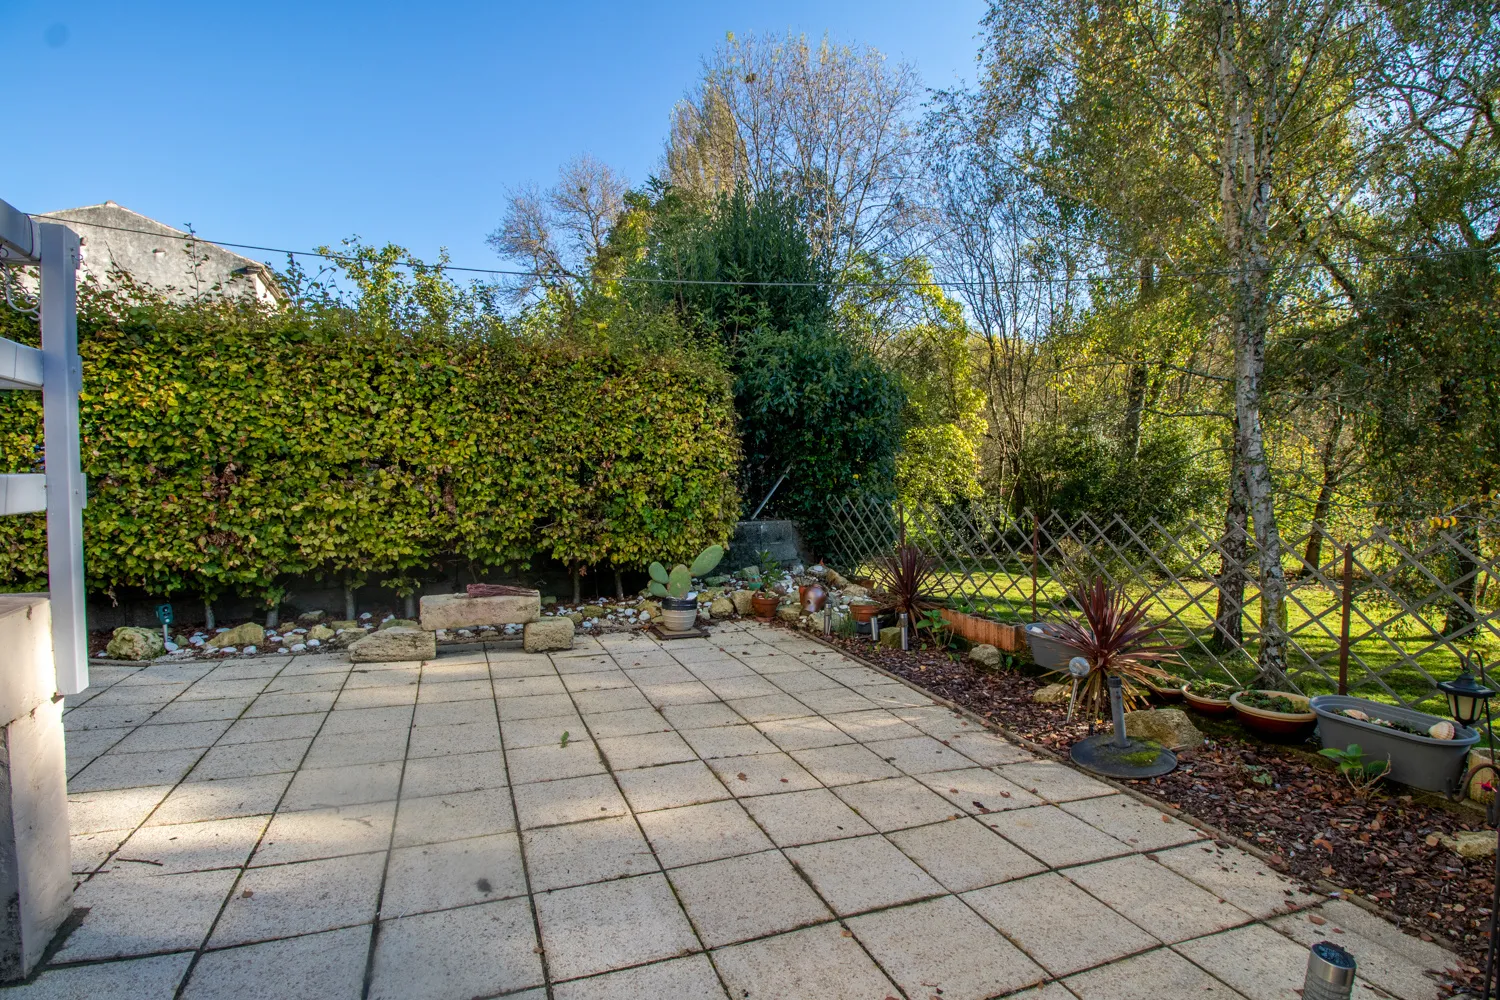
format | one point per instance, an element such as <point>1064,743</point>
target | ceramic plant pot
<point>863,612</point>
<point>678,614</point>
<point>765,605</point>
<point>1281,727</point>
<point>1215,707</point>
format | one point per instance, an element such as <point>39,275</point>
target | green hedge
<point>227,449</point>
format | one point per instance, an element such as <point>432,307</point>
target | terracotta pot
<point>765,605</point>
<point>863,612</point>
<point>981,630</point>
<point>812,596</point>
<point>1280,726</point>
<point>678,614</point>
<point>1214,707</point>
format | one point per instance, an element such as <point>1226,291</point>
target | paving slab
<point>818,963</point>
<point>964,854</point>
<point>745,897</point>
<point>610,925</point>
<point>471,951</point>
<point>1151,976</point>
<point>1061,927</point>
<point>691,978</point>
<point>862,874</point>
<point>302,898</point>
<point>441,876</point>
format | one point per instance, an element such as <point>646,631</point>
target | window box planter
<point>1049,652</point>
<point>1419,761</point>
<point>979,630</point>
<point>1281,727</point>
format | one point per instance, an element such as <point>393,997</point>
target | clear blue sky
<point>298,123</point>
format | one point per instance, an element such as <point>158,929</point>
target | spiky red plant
<point>903,576</point>
<point>1114,636</point>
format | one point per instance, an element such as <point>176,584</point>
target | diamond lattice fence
<point>1420,595</point>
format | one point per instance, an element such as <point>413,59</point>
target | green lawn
<point>1004,591</point>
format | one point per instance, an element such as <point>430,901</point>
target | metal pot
<point>812,596</point>
<point>678,614</point>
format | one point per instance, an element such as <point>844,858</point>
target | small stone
<point>299,647</point>
<point>890,638</point>
<point>645,616</point>
<point>548,600</point>
<point>651,608</point>
<point>226,649</point>
<point>591,610</point>
<point>319,633</point>
<point>399,623</point>
<point>742,602</point>
<point>791,612</point>
<point>987,656</point>
<point>340,626</point>
<point>1052,694</point>
<point>247,651</point>
<point>547,635</point>
<point>751,573</point>
<point>246,634</point>
<point>312,617</point>
<point>398,643</point>
<point>1471,844</point>
<point>172,647</point>
<point>1170,727</point>
<point>366,616</point>
<point>722,607</point>
<point>575,618</point>
<point>855,590</point>
<point>313,643</point>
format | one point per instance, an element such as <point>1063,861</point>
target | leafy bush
<point>1077,471</point>
<point>227,447</point>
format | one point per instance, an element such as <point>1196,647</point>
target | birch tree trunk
<point>1250,125</point>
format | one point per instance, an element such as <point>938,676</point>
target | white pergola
<point>57,373</point>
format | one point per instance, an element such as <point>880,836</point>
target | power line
<point>641,279</point>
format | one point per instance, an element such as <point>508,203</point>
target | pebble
<point>645,616</point>
<point>299,647</point>
<point>365,617</point>
<point>299,631</point>
<point>283,649</point>
<point>248,650</point>
<point>314,642</point>
<point>218,630</point>
<point>171,647</point>
<point>464,632</point>
<point>228,649</point>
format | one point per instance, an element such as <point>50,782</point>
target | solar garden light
<point>875,628</point>
<point>1078,669</point>
<point>1468,698</point>
<point>828,618</point>
<point>905,645</point>
<point>1330,973</point>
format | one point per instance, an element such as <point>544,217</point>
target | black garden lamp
<point>1468,698</point>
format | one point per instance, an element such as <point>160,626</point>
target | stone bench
<point>484,604</point>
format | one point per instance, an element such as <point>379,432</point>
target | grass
<point>1313,623</point>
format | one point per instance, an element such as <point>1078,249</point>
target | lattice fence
<point>1419,595</point>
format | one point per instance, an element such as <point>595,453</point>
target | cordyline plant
<point>1113,635</point>
<point>903,576</point>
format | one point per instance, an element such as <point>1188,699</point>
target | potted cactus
<point>679,605</point>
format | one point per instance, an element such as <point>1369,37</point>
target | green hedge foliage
<point>227,448</point>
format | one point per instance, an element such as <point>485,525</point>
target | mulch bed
<point>1307,820</point>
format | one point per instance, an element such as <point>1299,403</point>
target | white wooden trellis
<point>57,373</point>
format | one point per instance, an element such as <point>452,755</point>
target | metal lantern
<point>1468,699</point>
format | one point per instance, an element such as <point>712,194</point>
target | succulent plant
<point>679,580</point>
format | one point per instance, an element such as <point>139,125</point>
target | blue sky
<point>291,124</point>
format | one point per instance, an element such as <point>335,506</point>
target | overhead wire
<point>644,279</point>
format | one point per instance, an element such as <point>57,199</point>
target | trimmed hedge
<point>227,448</point>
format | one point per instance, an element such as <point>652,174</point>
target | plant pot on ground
<point>1278,716</point>
<point>1425,751</point>
<point>863,611</point>
<point>1047,649</point>
<point>679,607</point>
<point>1208,697</point>
<point>765,603</point>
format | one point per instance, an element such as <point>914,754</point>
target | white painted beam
<point>23,493</point>
<point>20,366</point>
<point>20,239</point>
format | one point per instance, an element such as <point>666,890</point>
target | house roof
<point>170,260</point>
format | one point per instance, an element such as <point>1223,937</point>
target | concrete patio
<point>748,816</point>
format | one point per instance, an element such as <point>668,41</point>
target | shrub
<point>226,447</point>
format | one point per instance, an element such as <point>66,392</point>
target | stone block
<point>547,634</point>
<point>400,643</point>
<point>1051,694</point>
<point>791,613</point>
<point>399,623</point>
<point>722,607</point>
<point>454,611</point>
<point>890,638</point>
<point>742,599</point>
<point>1170,727</point>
